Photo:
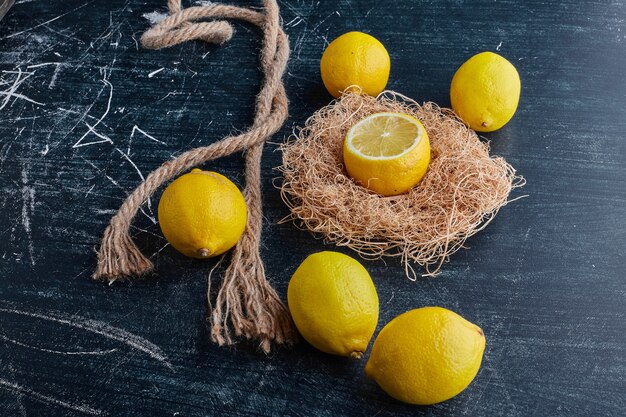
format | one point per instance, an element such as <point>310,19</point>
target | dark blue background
<point>545,280</point>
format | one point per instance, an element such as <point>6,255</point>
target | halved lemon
<point>387,153</point>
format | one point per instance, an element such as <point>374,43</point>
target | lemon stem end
<point>204,252</point>
<point>356,355</point>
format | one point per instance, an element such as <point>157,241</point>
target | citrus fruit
<point>355,59</point>
<point>334,303</point>
<point>387,152</point>
<point>202,214</point>
<point>485,91</point>
<point>426,356</point>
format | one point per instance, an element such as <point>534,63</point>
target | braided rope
<point>246,304</point>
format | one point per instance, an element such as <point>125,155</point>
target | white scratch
<point>104,138</point>
<point>135,40</point>
<point>21,390</point>
<point>159,251</point>
<point>80,145</point>
<point>45,150</point>
<point>137,129</point>
<point>90,190</point>
<point>55,75</point>
<point>100,135</point>
<point>20,96</point>
<point>113,181</point>
<point>106,211</point>
<point>499,45</point>
<point>28,209</point>
<point>43,64</point>
<point>100,328</point>
<point>155,72</point>
<point>130,161</point>
<point>60,352</point>
<point>11,91</point>
<point>48,21</point>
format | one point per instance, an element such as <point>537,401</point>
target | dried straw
<point>461,193</point>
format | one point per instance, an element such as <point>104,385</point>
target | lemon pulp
<point>388,153</point>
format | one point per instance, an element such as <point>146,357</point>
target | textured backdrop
<point>545,280</point>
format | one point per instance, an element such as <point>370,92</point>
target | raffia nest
<point>461,193</point>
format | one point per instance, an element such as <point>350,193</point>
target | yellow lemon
<point>334,303</point>
<point>355,59</point>
<point>485,91</point>
<point>387,152</point>
<point>426,356</point>
<point>202,214</point>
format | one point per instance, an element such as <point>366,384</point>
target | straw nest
<point>461,193</point>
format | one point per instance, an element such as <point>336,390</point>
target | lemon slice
<point>388,153</point>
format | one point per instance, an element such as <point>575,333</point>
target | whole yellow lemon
<point>387,152</point>
<point>202,214</point>
<point>426,356</point>
<point>334,303</point>
<point>485,91</point>
<point>355,59</point>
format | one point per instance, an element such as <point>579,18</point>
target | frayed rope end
<point>119,257</point>
<point>248,307</point>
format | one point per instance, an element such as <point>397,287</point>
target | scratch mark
<point>159,251</point>
<point>104,138</point>
<point>135,40</point>
<point>48,21</point>
<point>499,45</point>
<point>19,398</point>
<point>59,352</point>
<point>28,209</point>
<point>137,129</point>
<point>11,91</point>
<point>102,329</point>
<point>90,190</point>
<point>43,64</point>
<point>153,73</point>
<point>21,390</point>
<point>130,161</point>
<point>106,211</point>
<point>393,294</point>
<point>55,75</point>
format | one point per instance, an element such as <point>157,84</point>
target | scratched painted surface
<point>85,113</point>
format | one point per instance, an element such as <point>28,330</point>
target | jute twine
<point>462,191</point>
<point>246,304</point>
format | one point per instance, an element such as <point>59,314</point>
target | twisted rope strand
<point>246,304</point>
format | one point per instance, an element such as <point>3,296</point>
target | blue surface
<point>545,280</point>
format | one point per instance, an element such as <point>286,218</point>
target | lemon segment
<point>387,153</point>
<point>426,356</point>
<point>355,59</point>
<point>485,91</point>
<point>334,303</point>
<point>202,214</point>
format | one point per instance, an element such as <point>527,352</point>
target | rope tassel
<point>246,304</point>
